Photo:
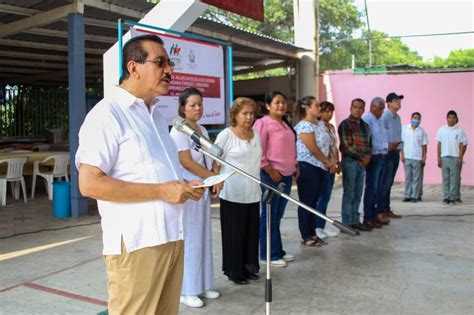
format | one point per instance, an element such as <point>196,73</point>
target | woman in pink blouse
<point>278,165</point>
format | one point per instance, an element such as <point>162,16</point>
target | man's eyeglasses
<point>161,62</point>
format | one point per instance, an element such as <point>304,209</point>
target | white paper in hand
<point>211,181</point>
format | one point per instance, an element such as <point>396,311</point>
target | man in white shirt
<point>452,145</point>
<point>413,155</point>
<point>129,163</point>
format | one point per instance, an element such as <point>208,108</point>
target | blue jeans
<point>352,182</point>
<point>374,176</point>
<point>309,187</point>
<point>391,167</point>
<point>324,198</point>
<point>278,206</point>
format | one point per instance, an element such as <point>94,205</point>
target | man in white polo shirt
<point>452,145</point>
<point>413,156</point>
<point>129,163</point>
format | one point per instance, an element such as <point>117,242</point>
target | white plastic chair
<point>59,171</point>
<point>14,176</point>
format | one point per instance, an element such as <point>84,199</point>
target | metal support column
<point>77,103</point>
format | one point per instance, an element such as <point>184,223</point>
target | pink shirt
<point>278,145</point>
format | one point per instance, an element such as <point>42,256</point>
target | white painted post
<point>306,37</point>
<point>169,14</point>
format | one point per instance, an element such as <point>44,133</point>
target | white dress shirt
<point>245,155</point>
<point>128,142</point>
<point>450,138</point>
<point>413,141</point>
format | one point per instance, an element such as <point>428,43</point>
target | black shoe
<point>419,199</point>
<point>239,281</point>
<point>446,201</point>
<point>363,227</point>
<point>253,276</point>
<point>414,200</point>
<point>406,200</point>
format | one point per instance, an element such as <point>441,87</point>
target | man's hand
<point>179,191</point>
<point>216,189</point>
<point>459,162</point>
<point>440,163</point>
<point>393,145</point>
<point>275,175</point>
<point>365,159</point>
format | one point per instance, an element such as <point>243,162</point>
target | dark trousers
<point>239,229</point>
<point>278,206</point>
<point>374,177</point>
<point>391,167</point>
<point>324,198</point>
<point>309,184</point>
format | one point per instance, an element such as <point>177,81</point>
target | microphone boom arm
<point>341,226</point>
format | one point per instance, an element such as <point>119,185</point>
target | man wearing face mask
<point>413,155</point>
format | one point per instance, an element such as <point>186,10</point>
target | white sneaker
<point>320,233</point>
<point>210,294</point>
<point>288,257</point>
<point>191,300</point>
<point>330,232</point>
<point>280,263</point>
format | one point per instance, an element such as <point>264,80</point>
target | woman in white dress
<point>240,197</point>
<point>198,274</point>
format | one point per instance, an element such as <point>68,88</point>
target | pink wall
<point>431,94</point>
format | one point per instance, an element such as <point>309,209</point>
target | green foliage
<point>461,58</point>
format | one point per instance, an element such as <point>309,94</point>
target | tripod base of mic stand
<point>345,229</point>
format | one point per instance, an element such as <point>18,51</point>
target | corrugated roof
<point>39,47</point>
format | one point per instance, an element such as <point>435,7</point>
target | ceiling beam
<point>29,44</point>
<point>20,70</point>
<point>13,9</point>
<point>25,55</point>
<point>29,12</point>
<point>40,19</point>
<point>114,8</point>
<point>32,64</point>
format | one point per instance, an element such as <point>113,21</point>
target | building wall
<point>431,94</point>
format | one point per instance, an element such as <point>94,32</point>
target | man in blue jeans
<point>374,172</point>
<point>354,135</point>
<point>393,124</point>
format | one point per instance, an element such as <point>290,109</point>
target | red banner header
<point>249,8</point>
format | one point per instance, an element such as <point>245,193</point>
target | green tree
<point>461,58</point>
<point>339,20</point>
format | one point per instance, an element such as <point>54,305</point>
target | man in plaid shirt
<point>355,147</point>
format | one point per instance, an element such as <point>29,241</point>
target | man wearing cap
<point>393,124</point>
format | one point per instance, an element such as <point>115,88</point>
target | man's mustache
<point>167,76</point>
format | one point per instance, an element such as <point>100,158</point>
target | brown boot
<point>392,215</point>
<point>382,219</point>
<point>373,224</point>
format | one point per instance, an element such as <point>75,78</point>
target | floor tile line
<point>65,294</point>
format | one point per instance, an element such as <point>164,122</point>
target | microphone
<point>181,125</point>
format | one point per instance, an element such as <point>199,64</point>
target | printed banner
<point>198,64</point>
<point>249,8</point>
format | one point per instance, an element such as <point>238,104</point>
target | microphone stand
<point>341,226</point>
<point>267,198</point>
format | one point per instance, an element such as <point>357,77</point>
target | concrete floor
<point>420,264</point>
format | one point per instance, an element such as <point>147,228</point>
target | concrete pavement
<point>420,264</point>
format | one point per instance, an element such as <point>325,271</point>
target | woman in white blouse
<point>240,197</point>
<point>198,274</point>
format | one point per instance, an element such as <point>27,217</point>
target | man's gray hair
<point>377,101</point>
